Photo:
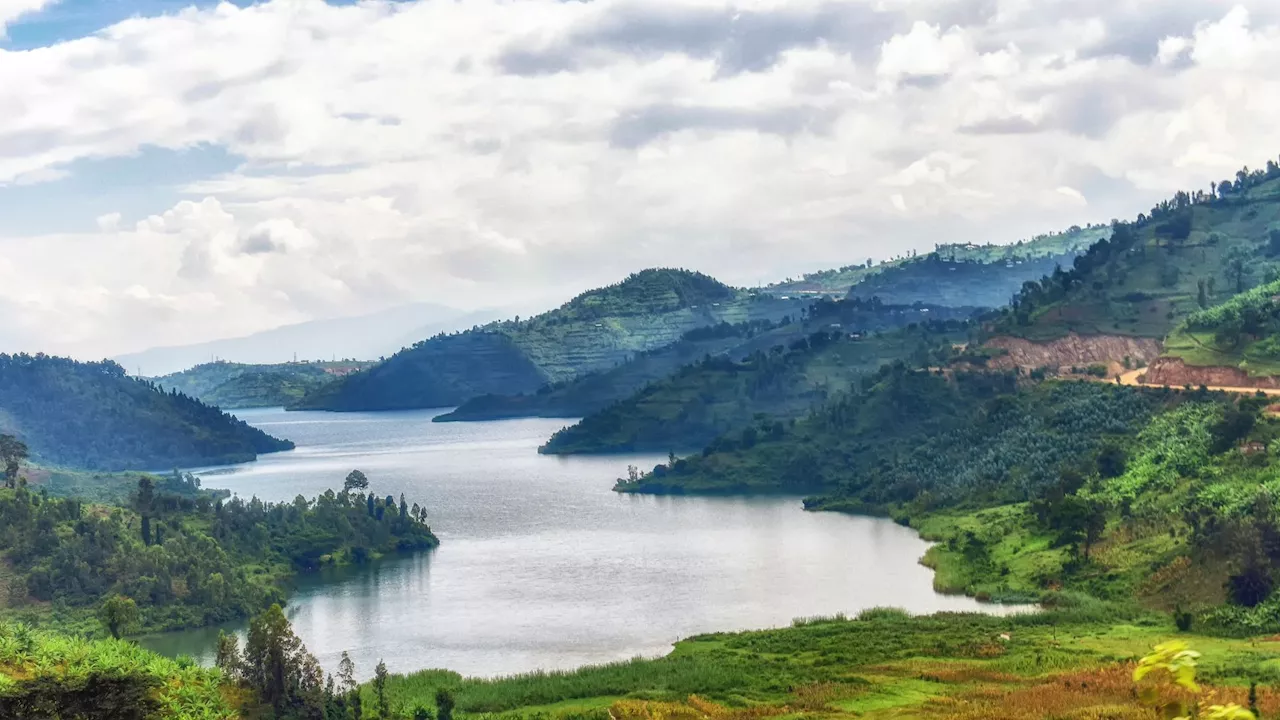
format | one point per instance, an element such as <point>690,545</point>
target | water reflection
<point>542,566</point>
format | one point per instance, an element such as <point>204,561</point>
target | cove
<point>542,565</point>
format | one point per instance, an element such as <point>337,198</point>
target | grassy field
<point>1075,661</point>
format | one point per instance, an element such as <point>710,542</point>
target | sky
<point>173,172</point>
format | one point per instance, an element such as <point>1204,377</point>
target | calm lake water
<point>541,565</point>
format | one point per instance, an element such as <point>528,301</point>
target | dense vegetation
<point>236,385</point>
<point>938,279</point>
<point>592,332</point>
<point>50,675</point>
<point>1243,332</point>
<point>994,271</point>
<point>701,401</point>
<point>594,391</point>
<point>91,415</point>
<point>185,558</point>
<point>1192,251</point>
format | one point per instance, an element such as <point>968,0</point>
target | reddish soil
<point>1175,373</point>
<point>1075,350</point>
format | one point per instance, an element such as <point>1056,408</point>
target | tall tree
<point>1236,263</point>
<point>380,690</point>
<point>228,659</point>
<point>119,615</point>
<point>12,452</point>
<point>277,665</point>
<point>356,480</point>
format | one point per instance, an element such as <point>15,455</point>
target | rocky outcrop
<point>1074,350</point>
<point>1174,372</point>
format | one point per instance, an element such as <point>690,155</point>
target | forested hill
<point>953,274</point>
<point>236,385</point>
<point>939,279</point>
<point>594,331</point>
<point>92,415</point>
<point>1191,252</point>
<point>594,391</point>
<point>782,374</point>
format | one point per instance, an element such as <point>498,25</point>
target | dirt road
<point>1131,378</point>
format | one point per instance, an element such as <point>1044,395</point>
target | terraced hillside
<point>593,391</point>
<point>982,275</point>
<point>1191,252</point>
<point>93,416</point>
<point>770,378</point>
<point>594,331</point>
<point>237,385</point>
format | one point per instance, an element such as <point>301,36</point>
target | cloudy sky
<point>171,172</point>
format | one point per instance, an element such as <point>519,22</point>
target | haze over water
<point>541,565</point>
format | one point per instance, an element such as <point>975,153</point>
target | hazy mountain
<point>362,337</point>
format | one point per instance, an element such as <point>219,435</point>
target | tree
<point>356,480</point>
<point>346,674</point>
<point>277,665</point>
<point>1202,297</point>
<point>1236,264</point>
<point>444,705</point>
<point>380,689</point>
<point>1111,462</point>
<point>227,659</point>
<point>12,452</point>
<point>119,615</point>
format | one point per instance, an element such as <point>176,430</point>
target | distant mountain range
<point>362,337</point>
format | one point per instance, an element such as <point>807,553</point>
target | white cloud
<point>11,10</point>
<point>109,222</point>
<point>925,51</point>
<point>480,152</point>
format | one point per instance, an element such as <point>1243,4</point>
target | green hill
<point>594,331</point>
<point>1190,252</point>
<point>235,385</point>
<point>784,375</point>
<point>938,279</point>
<point>995,272</point>
<point>1242,333</point>
<point>92,415</point>
<point>594,391</point>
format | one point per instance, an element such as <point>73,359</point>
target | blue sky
<point>294,160</point>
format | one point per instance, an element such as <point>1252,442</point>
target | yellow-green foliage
<point>1071,662</point>
<point>42,669</point>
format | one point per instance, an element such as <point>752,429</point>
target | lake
<point>541,565</point>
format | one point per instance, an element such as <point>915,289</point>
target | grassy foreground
<point>50,675</point>
<point>1074,661</point>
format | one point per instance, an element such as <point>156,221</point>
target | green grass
<point>74,676</point>
<point>872,666</point>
